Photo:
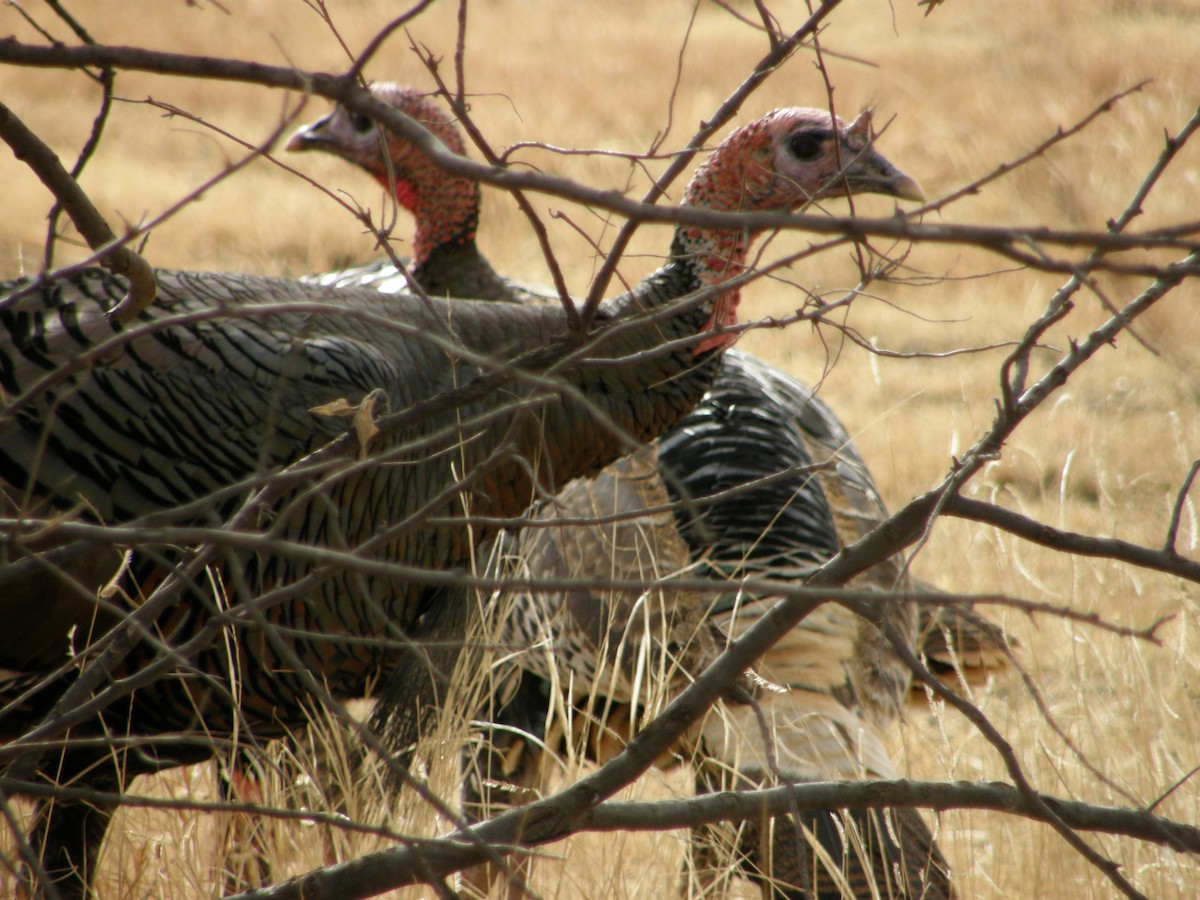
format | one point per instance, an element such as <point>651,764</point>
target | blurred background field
<point>963,89</point>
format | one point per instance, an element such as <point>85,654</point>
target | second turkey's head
<point>446,207</point>
<point>792,157</point>
<point>779,163</point>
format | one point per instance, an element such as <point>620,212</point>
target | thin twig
<point>459,107</point>
<point>1177,511</point>
<point>768,64</point>
<point>368,52</point>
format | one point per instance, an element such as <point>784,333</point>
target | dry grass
<point>970,86</point>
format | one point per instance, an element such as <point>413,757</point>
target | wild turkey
<point>753,422</point>
<point>176,420</point>
<point>833,684</point>
<point>446,261</point>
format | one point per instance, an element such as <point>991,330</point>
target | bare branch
<point>1165,560</point>
<point>1177,510</point>
<point>113,253</point>
<point>778,54</point>
<point>391,869</point>
<point>935,795</point>
<point>368,52</point>
<point>1005,241</point>
<point>1061,135</point>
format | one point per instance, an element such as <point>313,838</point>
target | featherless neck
<point>446,209</point>
<point>445,206</point>
<point>685,272</point>
<point>725,182</point>
<point>711,258</point>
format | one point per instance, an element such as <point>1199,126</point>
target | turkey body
<point>202,400</point>
<point>760,479</point>
<point>226,380</point>
<point>447,261</point>
<point>799,492</point>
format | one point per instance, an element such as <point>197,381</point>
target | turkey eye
<point>805,147</point>
<point>362,124</point>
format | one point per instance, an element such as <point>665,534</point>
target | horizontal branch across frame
<point>1014,242</point>
<point>538,824</point>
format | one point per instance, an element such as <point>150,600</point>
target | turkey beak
<point>872,173</point>
<point>310,137</point>
<point>904,187</point>
<point>869,172</point>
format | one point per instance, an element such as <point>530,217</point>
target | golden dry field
<point>964,89</point>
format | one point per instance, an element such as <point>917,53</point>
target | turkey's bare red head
<point>446,207</point>
<point>779,163</point>
<point>791,157</point>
